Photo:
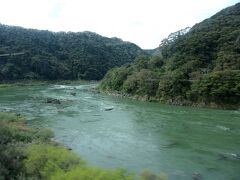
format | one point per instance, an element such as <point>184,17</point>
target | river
<point>180,141</point>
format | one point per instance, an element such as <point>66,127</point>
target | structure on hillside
<point>12,54</point>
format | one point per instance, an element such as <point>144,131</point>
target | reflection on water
<point>179,141</point>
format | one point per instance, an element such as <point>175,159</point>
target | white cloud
<point>144,22</point>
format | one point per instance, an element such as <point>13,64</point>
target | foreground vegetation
<point>200,67</point>
<point>27,153</point>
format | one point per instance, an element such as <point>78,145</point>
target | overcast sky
<point>144,22</point>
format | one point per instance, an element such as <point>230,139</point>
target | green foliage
<point>144,82</point>
<point>10,117</point>
<point>11,157</point>
<point>10,71</point>
<point>44,160</point>
<point>227,61</point>
<point>149,175</point>
<point>12,129</point>
<point>173,85</point>
<point>61,55</point>
<point>114,79</point>
<point>15,137</point>
<point>93,173</point>
<point>136,79</point>
<point>155,62</point>
<point>200,65</point>
<point>43,135</point>
<point>221,86</point>
<point>56,162</point>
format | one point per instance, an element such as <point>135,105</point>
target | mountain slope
<point>199,67</point>
<point>50,55</point>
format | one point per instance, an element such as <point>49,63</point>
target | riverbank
<point>31,153</point>
<point>175,102</point>
<point>42,82</point>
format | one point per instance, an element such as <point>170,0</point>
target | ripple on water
<point>222,128</point>
<point>180,141</point>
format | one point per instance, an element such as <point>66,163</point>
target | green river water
<point>179,141</point>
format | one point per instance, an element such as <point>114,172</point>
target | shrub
<point>219,87</point>
<point>144,82</point>
<point>93,173</point>
<point>149,175</point>
<point>114,79</point>
<point>43,160</point>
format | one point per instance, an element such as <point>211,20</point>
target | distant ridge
<point>42,54</point>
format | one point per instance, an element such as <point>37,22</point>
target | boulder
<point>53,101</point>
<point>108,108</point>
<point>73,93</point>
<point>196,176</point>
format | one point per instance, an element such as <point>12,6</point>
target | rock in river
<point>53,101</point>
<point>108,108</point>
<point>73,93</point>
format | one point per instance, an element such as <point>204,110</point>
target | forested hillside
<point>198,67</point>
<point>62,55</point>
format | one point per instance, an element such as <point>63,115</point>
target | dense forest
<point>199,66</point>
<point>37,54</point>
